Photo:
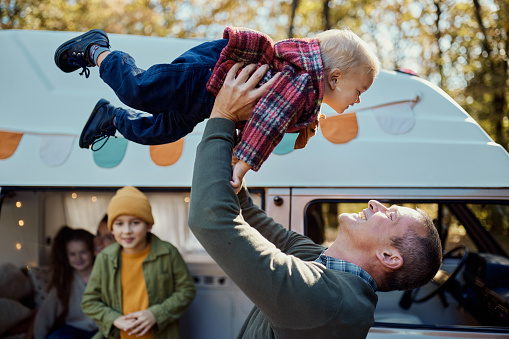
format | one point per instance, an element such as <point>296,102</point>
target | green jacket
<point>294,296</point>
<point>169,285</point>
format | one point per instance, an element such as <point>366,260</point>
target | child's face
<point>342,92</point>
<point>79,256</point>
<point>131,233</point>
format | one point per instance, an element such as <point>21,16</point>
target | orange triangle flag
<point>167,154</point>
<point>9,143</point>
<point>340,129</point>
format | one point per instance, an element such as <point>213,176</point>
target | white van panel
<point>444,148</point>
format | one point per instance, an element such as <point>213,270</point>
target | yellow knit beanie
<point>129,201</point>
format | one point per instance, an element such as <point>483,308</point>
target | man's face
<point>376,225</point>
<point>103,238</point>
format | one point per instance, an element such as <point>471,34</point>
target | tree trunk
<point>438,35</point>
<point>295,4</point>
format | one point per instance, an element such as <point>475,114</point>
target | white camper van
<point>406,143</point>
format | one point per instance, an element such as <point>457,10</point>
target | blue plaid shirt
<point>345,266</point>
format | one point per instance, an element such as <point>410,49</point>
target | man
<point>103,238</point>
<point>299,288</point>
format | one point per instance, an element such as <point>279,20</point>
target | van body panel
<point>442,146</point>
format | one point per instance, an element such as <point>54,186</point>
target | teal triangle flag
<point>111,153</point>
<point>287,143</point>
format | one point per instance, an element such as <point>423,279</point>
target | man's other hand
<point>239,95</point>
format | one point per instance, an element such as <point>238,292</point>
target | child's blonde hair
<point>341,48</point>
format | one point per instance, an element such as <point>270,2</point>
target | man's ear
<point>333,76</point>
<point>390,258</point>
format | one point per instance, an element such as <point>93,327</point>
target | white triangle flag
<point>55,149</point>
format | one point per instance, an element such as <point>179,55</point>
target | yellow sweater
<point>134,292</point>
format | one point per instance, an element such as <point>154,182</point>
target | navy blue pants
<point>70,332</point>
<point>173,97</point>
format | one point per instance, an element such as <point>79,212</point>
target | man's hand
<point>238,96</point>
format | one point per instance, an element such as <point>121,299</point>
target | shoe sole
<point>63,46</point>
<point>91,118</point>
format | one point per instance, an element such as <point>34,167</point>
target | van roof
<point>389,141</point>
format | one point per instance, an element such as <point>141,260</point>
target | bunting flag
<point>111,154</point>
<point>168,154</point>
<point>286,144</point>
<point>397,117</point>
<point>55,149</point>
<point>9,143</point>
<point>340,129</point>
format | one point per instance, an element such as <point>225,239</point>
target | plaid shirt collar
<point>348,267</point>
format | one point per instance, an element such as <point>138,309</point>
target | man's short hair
<point>422,258</point>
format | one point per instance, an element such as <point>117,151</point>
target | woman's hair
<point>341,48</point>
<point>61,271</point>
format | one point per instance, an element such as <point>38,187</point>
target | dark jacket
<point>294,296</point>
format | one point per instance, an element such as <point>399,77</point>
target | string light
<point>21,223</point>
<point>94,198</point>
<point>18,204</point>
<point>18,246</point>
<point>186,199</point>
<point>74,195</point>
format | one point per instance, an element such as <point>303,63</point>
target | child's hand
<point>123,323</point>
<point>239,171</point>
<point>234,159</point>
<point>142,322</point>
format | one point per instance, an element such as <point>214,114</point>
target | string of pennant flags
<point>55,148</point>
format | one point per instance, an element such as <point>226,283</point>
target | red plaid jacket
<point>291,104</point>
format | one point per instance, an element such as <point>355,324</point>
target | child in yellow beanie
<point>140,285</point>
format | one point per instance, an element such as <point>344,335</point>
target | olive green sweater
<point>294,296</point>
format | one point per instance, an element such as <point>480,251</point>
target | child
<point>336,67</point>
<point>60,315</point>
<point>139,285</point>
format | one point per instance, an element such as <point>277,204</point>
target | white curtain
<point>170,210</point>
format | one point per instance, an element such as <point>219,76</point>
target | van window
<point>321,221</point>
<point>494,218</point>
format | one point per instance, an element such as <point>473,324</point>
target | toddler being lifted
<point>335,68</point>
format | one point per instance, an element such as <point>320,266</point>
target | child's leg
<point>177,87</point>
<point>148,129</point>
<point>143,128</point>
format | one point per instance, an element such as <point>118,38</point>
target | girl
<point>60,315</point>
